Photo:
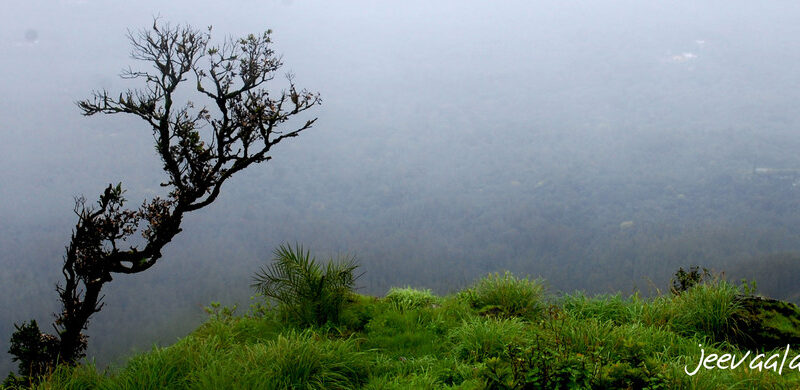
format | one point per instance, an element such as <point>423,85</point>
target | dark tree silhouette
<point>200,146</point>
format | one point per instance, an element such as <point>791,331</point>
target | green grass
<point>506,296</point>
<point>615,308</point>
<point>413,339</point>
<point>409,298</point>
<point>706,310</point>
<point>482,338</point>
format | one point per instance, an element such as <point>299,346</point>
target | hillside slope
<point>502,333</point>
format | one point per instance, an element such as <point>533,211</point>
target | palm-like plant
<point>308,293</point>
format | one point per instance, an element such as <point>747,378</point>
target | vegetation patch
<point>483,338</point>
<point>307,292</point>
<point>408,341</point>
<point>705,310</point>
<point>506,296</point>
<point>767,323</point>
<point>410,298</point>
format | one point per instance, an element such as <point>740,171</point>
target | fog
<point>597,144</point>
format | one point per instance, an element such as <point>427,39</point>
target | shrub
<point>684,280</point>
<point>35,352</point>
<point>582,353</point>
<point>308,294</point>
<point>358,312</point>
<point>537,368</point>
<point>409,298</point>
<point>506,296</point>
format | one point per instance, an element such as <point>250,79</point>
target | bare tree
<point>200,146</point>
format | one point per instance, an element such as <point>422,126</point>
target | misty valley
<point>532,174</point>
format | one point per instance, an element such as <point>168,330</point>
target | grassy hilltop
<point>503,332</point>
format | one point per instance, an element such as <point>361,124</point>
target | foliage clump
<point>506,296</point>
<point>706,310</point>
<point>613,308</point>
<point>301,360</point>
<point>410,298</point>
<point>483,338</point>
<point>307,292</point>
<point>685,280</point>
<point>35,353</point>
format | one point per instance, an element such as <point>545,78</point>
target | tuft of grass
<point>613,308</point>
<point>506,296</point>
<point>303,360</point>
<point>429,372</point>
<point>412,333</point>
<point>358,312</point>
<point>483,338</point>
<point>410,298</point>
<point>706,309</point>
<point>75,378</point>
<point>294,359</point>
